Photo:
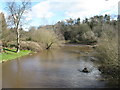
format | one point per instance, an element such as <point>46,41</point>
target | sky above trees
<point>50,11</point>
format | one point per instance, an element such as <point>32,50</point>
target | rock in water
<point>85,70</point>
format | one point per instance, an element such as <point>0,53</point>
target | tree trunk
<point>18,41</point>
<point>48,46</point>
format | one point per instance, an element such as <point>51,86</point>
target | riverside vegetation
<point>97,30</point>
<point>10,54</point>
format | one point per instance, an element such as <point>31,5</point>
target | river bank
<point>59,68</point>
<point>78,49</point>
<point>10,54</point>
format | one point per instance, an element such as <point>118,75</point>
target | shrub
<point>89,36</point>
<point>108,52</point>
<point>30,45</point>
<point>48,38</point>
<point>27,45</point>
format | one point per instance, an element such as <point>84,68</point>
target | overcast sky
<point>50,11</point>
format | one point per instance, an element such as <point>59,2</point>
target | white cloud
<point>50,9</point>
<point>92,7</point>
<point>28,16</point>
<point>42,10</point>
<point>74,8</point>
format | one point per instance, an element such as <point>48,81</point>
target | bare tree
<point>16,18</point>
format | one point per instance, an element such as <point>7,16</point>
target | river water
<point>54,69</point>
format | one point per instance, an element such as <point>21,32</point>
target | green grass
<point>10,54</point>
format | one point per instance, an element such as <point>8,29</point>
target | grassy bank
<point>10,54</point>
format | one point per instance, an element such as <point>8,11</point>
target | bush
<point>48,38</point>
<point>30,45</point>
<point>27,45</point>
<point>108,52</point>
<point>89,36</point>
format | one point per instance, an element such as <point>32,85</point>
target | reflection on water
<point>52,69</point>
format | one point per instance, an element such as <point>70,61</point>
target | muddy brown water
<point>54,69</point>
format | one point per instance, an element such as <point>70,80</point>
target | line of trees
<point>86,31</point>
<point>46,38</point>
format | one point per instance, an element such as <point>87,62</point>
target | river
<point>54,69</point>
